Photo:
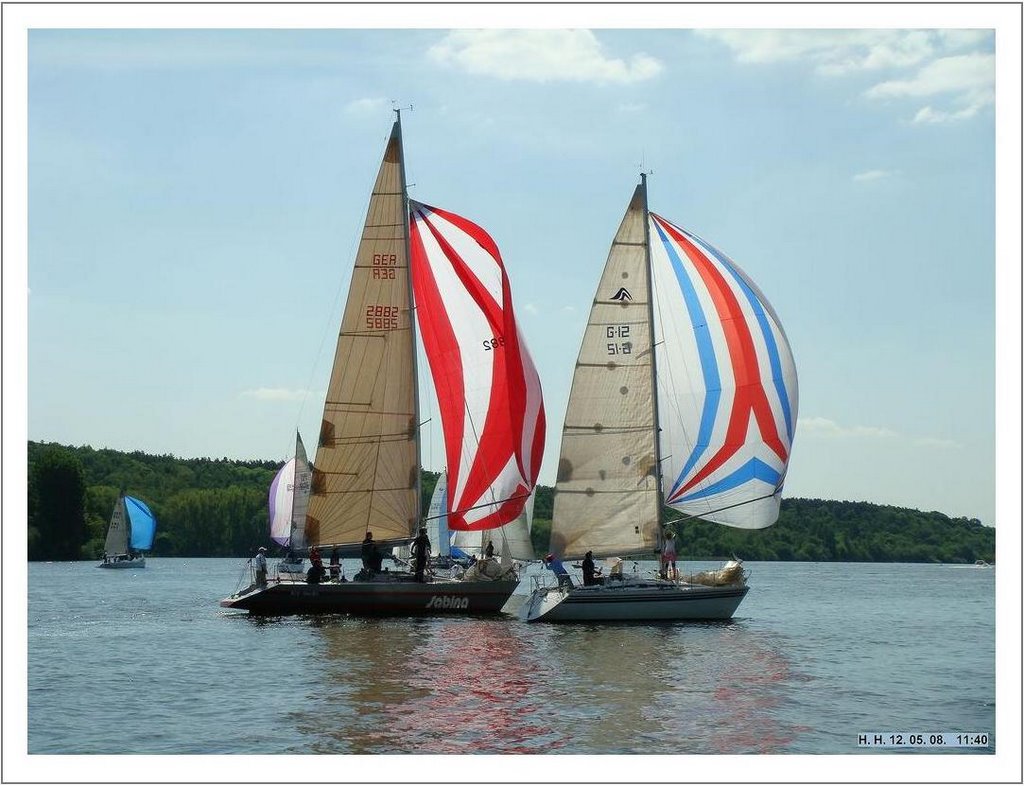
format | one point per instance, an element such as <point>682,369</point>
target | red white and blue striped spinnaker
<point>727,385</point>
<point>488,390</point>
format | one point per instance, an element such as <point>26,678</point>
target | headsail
<point>282,491</point>
<point>143,523</point>
<point>289,500</point>
<point>437,518</point>
<point>727,385</point>
<point>366,472</point>
<point>606,493</point>
<point>488,390</point>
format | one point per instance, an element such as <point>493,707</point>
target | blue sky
<point>195,198</point>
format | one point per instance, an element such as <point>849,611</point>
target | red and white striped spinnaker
<point>487,387</point>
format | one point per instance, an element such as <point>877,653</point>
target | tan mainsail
<point>366,472</point>
<point>606,494</point>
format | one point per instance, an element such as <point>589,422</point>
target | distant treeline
<point>218,508</point>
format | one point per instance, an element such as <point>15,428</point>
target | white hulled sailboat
<point>130,533</point>
<point>685,391</point>
<point>366,474</point>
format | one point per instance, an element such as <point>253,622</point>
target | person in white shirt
<point>261,566</point>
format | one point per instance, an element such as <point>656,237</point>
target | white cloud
<point>831,52</point>
<point>367,106</point>
<point>540,56</point>
<point>874,174</point>
<point>972,73</point>
<point>956,65</point>
<point>829,428</point>
<point>967,80</point>
<point>823,427</point>
<point>275,394</point>
<point>531,308</point>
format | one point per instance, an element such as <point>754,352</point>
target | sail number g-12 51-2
<point>619,347</point>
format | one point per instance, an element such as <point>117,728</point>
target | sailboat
<point>366,474</point>
<point>685,391</point>
<point>287,504</point>
<point>130,533</point>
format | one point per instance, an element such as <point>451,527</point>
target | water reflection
<point>425,686</point>
<point>480,685</point>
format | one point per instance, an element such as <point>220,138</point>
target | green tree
<point>57,506</point>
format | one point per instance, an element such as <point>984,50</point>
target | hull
<point>375,598</point>
<point>632,602</point>
<point>137,562</point>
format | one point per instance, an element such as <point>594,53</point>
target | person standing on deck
<point>261,567</point>
<point>589,571</point>
<point>421,551</point>
<point>369,553</point>
<point>668,557</point>
<point>489,551</point>
<point>556,567</point>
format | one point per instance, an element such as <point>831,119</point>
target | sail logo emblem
<point>622,295</point>
<point>447,602</point>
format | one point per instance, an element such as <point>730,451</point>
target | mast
<point>412,318</point>
<point>654,364</point>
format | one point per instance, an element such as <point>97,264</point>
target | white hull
<point>135,562</point>
<point>633,601</point>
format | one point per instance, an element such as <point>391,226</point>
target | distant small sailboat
<point>130,533</point>
<point>416,265</point>
<point>287,505</point>
<point>685,391</point>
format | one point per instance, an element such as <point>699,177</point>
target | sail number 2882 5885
<point>380,317</point>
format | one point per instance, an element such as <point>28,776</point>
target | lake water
<point>818,654</point>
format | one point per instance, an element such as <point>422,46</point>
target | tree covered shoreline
<point>218,508</point>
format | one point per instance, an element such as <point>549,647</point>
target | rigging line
<point>719,510</point>
<point>476,507</point>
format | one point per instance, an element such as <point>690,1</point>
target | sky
<point>195,198</point>
<point>184,186</point>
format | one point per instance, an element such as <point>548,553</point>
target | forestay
<point>488,390</point>
<point>727,386</point>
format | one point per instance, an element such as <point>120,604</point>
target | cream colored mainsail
<point>117,532</point>
<point>366,472</point>
<point>606,494</point>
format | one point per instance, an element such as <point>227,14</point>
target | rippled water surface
<point>817,654</point>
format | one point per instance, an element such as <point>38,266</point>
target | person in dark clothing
<point>316,572</point>
<point>371,562</point>
<point>421,551</point>
<point>489,551</point>
<point>589,571</point>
